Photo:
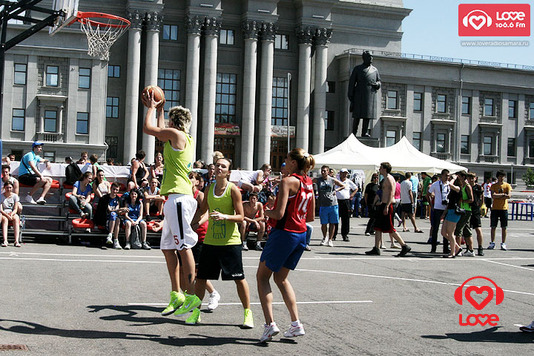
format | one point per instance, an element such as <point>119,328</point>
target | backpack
<point>135,237</point>
<point>72,173</point>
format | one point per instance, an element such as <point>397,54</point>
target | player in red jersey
<point>294,206</point>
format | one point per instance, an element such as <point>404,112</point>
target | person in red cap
<point>30,175</point>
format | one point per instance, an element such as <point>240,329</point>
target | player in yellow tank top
<point>180,207</point>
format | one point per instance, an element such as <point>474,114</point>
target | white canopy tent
<point>404,157</point>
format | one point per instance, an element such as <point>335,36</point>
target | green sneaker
<point>177,299</point>
<point>191,302</point>
<point>194,318</point>
<point>248,323</point>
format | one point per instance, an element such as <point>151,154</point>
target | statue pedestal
<point>369,141</point>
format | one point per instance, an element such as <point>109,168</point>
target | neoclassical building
<point>253,73</point>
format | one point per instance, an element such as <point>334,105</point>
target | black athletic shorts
<point>407,208</point>
<point>475,220</point>
<point>221,260</point>
<point>28,179</point>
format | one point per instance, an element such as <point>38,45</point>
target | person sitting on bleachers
<point>100,185</point>
<point>7,177</point>
<point>10,211</point>
<point>72,171</point>
<point>30,175</point>
<point>83,159</point>
<point>80,200</point>
<point>254,220</point>
<point>114,223</point>
<point>152,200</point>
<point>133,218</point>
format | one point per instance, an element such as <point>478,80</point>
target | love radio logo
<point>494,20</point>
<point>470,292</point>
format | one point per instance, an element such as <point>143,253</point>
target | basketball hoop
<point>102,31</point>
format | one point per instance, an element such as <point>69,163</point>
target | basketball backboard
<point>69,8</point>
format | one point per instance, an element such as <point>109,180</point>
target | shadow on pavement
<point>488,335</point>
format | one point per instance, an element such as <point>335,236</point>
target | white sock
<point>295,323</point>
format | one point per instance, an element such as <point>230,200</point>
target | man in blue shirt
<point>30,175</point>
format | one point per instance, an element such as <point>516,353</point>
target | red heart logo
<point>479,290</point>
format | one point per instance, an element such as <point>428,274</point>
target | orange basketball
<point>157,92</point>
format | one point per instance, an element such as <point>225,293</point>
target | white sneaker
<point>295,330</point>
<point>146,246</point>
<point>213,301</point>
<point>109,240</point>
<point>269,331</point>
<point>324,242</point>
<point>528,328</point>
<point>330,243</point>
<point>503,246</point>
<point>40,201</point>
<point>127,246</point>
<point>367,234</point>
<point>468,253</point>
<point>245,247</point>
<point>117,245</point>
<point>491,246</point>
<point>29,199</point>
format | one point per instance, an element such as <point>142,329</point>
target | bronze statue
<point>363,87</point>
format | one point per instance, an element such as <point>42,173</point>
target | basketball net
<point>101,35</point>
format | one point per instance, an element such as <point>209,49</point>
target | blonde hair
<point>305,161</point>
<point>180,118</point>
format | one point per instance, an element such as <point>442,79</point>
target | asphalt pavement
<point>66,300</point>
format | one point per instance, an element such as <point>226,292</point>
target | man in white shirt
<point>344,198</point>
<point>438,193</point>
<point>408,203</point>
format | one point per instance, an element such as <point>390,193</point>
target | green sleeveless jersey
<point>177,166</point>
<point>466,206</point>
<point>222,232</point>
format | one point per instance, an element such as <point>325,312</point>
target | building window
<point>511,147</point>
<point>225,145</point>
<point>17,123</point>
<point>488,145</point>
<point>391,137</point>
<point>441,143</point>
<point>417,101</point>
<point>466,105</point>
<point>169,81</point>
<point>330,87</point>
<point>531,111</point>
<point>531,148</point>
<point>50,156</point>
<point>82,123</point>
<point>392,100</point>
<point>84,78</point>
<point>489,109</point>
<point>464,144</point>
<point>112,107</point>
<point>114,71</point>
<point>281,42</point>
<point>442,103</point>
<point>512,109</point>
<point>225,109</point>
<point>279,101</point>
<point>50,121</point>
<point>113,146</point>
<point>52,76</point>
<point>20,74</point>
<point>330,120</point>
<point>416,140</point>
<point>170,32</point>
<point>226,37</point>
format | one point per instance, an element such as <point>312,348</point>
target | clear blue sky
<point>432,29</point>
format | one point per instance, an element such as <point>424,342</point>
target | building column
<point>305,37</point>
<point>250,31</point>
<point>212,27</point>
<point>153,23</point>
<point>322,37</point>
<point>41,117</point>
<point>192,81</point>
<point>268,31</point>
<point>60,120</point>
<point>132,86</point>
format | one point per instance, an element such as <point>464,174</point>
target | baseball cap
<point>36,143</point>
<point>344,170</point>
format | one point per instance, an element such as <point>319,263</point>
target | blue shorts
<point>452,216</point>
<point>329,214</point>
<point>283,249</point>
